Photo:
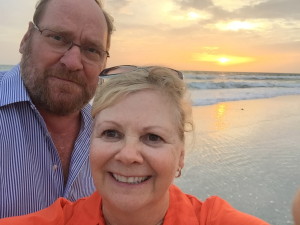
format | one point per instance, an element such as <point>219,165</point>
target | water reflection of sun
<point>220,122</point>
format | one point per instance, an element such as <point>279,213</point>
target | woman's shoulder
<point>60,212</point>
<point>214,210</point>
<point>49,215</point>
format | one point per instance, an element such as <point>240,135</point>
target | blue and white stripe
<point>31,176</point>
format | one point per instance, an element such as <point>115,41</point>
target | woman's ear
<point>25,39</point>
<point>181,158</point>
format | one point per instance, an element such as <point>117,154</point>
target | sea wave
<point>240,84</point>
<point>212,96</point>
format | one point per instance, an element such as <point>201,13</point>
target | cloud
<point>242,9</point>
<point>196,4</point>
<point>116,5</point>
<point>288,9</point>
<point>233,5</point>
<point>236,25</point>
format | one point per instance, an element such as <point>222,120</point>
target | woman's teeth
<point>130,180</point>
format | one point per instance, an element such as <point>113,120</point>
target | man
<point>45,121</point>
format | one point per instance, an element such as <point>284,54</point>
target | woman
<point>137,149</point>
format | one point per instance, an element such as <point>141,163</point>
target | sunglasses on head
<point>123,69</point>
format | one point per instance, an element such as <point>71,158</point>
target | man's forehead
<point>76,17</point>
<point>74,10</point>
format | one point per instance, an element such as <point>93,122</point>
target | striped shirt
<point>31,175</point>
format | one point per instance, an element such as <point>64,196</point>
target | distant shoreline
<point>8,66</point>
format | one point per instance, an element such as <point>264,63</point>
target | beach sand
<point>247,152</point>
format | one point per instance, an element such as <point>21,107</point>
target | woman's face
<point>136,150</point>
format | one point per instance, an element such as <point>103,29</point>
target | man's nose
<point>72,58</point>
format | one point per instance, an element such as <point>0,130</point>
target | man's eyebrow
<point>96,42</point>
<point>93,43</point>
<point>59,30</point>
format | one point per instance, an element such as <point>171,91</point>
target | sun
<point>223,60</point>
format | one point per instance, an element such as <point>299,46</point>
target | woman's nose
<point>130,152</point>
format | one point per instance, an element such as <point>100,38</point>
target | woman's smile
<point>130,179</point>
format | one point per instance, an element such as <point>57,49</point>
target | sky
<point>205,35</point>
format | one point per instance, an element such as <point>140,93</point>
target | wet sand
<point>247,152</point>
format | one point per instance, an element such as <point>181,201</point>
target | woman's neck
<point>148,215</point>
<point>159,223</point>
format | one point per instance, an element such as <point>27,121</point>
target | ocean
<point>207,87</point>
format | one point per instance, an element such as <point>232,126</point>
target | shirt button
<point>55,167</point>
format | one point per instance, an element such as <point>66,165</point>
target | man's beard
<point>62,99</point>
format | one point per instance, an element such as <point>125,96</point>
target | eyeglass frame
<point>104,75</point>
<point>68,42</point>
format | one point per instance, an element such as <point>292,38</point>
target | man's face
<point>62,83</point>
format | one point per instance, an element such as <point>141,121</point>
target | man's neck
<point>64,131</point>
<point>61,124</point>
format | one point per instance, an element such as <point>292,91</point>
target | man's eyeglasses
<point>123,69</point>
<point>61,44</point>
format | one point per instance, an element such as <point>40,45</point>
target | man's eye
<point>92,50</point>
<point>56,37</point>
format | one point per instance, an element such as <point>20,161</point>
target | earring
<point>178,173</point>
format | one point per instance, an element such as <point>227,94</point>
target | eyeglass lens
<point>61,44</point>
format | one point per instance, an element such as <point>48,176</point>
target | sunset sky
<point>215,35</point>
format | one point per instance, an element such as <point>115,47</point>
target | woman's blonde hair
<point>161,79</point>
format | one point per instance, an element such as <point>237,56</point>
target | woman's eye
<point>111,135</point>
<point>152,139</point>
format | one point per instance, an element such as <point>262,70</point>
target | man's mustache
<point>64,74</point>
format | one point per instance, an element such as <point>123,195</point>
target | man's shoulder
<point>2,72</point>
<point>12,88</point>
<point>15,70</point>
<point>2,75</point>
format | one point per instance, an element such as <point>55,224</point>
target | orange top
<point>184,209</point>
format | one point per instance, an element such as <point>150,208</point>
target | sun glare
<point>222,59</point>
<point>193,15</point>
<point>236,26</point>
